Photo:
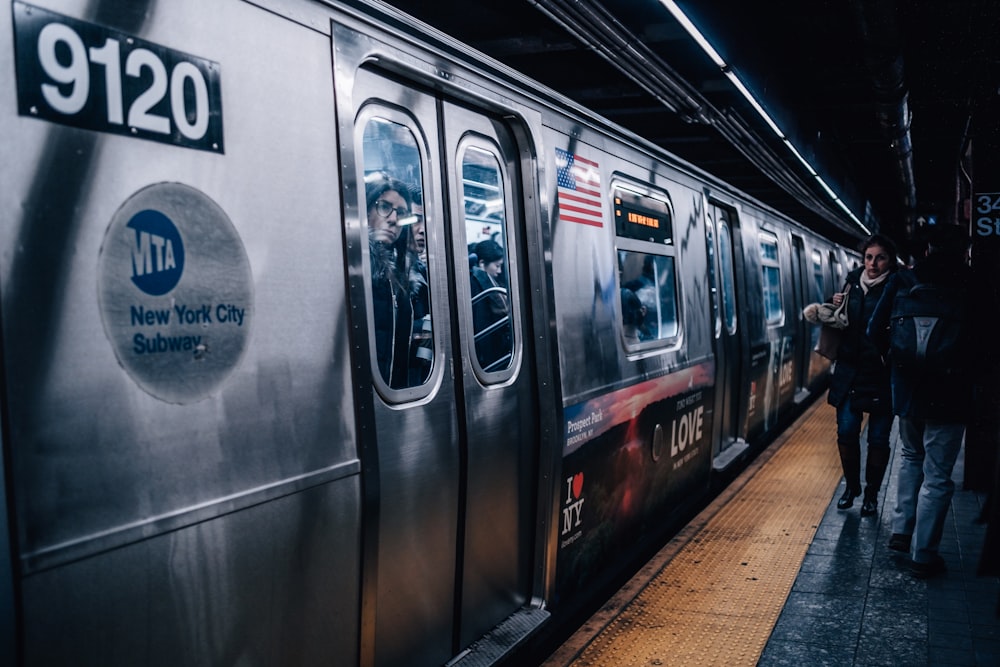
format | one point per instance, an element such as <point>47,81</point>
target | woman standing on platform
<point>860,382</point>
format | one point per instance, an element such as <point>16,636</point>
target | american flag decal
<point>579,186</point>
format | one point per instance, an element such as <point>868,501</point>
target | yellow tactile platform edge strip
<point>714,593</point>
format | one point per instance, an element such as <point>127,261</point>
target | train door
<point>729,364</point>
<point>815,293</point>
<point>455,433</point>
<point>498,386</point>
<point>801,276</point>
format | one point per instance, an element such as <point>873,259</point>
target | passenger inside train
<point>649,278</point>
<point>633,317</point>
<point>400,299</point>
<point>490,307</point>
<point>418,232</point>
<point>415,237</point>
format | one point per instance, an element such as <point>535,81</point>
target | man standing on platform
<point>922,325</point>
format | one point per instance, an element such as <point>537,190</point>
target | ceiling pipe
<point>590,23</point>
<point>593,26</point>
<point>883,54</point>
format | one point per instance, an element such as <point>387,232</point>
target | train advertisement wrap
<point>630,456</point>
<point>771,386</point>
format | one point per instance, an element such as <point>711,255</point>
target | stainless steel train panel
<point>214,593</point>
<point>158,391</point>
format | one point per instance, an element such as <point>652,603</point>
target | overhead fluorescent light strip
<point>726,69</point>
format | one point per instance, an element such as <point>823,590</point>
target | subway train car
<point>326,340</point>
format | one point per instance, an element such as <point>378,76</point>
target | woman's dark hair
<point>489,251</point>
<point>417,195</point>
<point>886,243</point>
<point>378,184</point>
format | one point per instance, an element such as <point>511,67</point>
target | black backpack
<point>926,331</point>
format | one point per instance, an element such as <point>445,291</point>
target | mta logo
<point>157,252</point>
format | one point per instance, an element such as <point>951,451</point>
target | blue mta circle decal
<point>157,253</point>
<point>176,292</point>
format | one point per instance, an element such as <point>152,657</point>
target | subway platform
<point>773,574</point>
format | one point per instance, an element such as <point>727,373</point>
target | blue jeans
<point>849,425</point>
<point>928,454</point>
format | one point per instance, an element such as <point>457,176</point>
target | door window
<point>713,277</point>
<point>771,277</point>
<point>728,280</point>
<point>400,294</point>
<point>484,206</point>
<point>817,273</point>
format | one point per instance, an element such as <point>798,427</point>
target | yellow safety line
<point>717,599</point>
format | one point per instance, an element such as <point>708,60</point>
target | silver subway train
<point>327,341</point>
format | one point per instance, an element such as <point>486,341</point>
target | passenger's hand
<point>838,298</point>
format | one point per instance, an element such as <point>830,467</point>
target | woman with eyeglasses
<point>389,202</point>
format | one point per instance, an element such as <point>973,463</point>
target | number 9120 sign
<point>87,76</point>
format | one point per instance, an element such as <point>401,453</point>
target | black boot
<point>850,459</point>
<point>878,461</point>
<point>870,505</point>
<point>846,501</point>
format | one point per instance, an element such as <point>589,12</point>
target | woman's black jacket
<point>859,372</point>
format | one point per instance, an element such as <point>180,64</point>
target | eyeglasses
<point>384,208</point>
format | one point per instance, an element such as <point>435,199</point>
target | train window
<point>713,279</point>
<point>646,264</point>
<point>728,282</point>
<point>817,270</point>
<point>649,296</point>
<point>771,275</point>
<point>400,297</point>
<point>485,217</point>
<point>838,272</point>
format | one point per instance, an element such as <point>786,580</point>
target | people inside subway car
<point>644,288</point>
<point>490,305</point>
<point>418,231</point>
<point>860,384</point>
<point>415,233</point>
<point>633,317</point>
<point>932,400</point>
<point>397,303</point>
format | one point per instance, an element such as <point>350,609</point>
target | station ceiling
<point>877,96</point>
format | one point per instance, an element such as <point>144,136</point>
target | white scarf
<point>867,283</point>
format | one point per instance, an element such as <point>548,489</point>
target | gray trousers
<point>928,453</point>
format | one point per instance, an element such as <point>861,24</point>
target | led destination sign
<point>643,218</point>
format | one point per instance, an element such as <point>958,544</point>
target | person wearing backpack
<point>921,326</point>
<point>860,382</point>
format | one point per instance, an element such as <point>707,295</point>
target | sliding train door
<point>801,291</point>
<point>498,386</point>
<point>728,358</point>
<point>452,430</point>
